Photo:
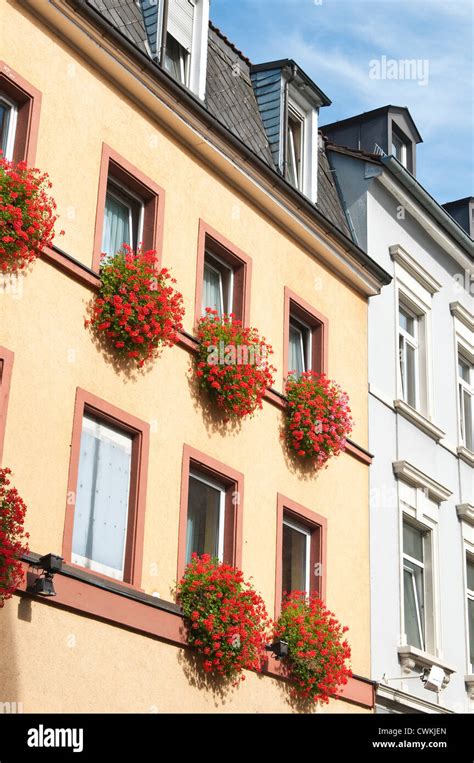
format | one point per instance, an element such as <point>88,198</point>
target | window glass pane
<point>5,114</point>
<point>470,575</point>
<point>296,360</point>
<point>412,542</point>
<point>412,609</point>
<point>212,293</point>
<point>175,59</point>
<point>470,612</point>
<point>406,321</point>
<point>116,225</point>
<point>294,144</point>
<point>468,420</point>
<point>294,559</point>
<point>102,500</point>
<point>410,375</point>
<point>203,526</point>
<point>464,370</point>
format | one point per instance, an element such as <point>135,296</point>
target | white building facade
<point>421,354</point>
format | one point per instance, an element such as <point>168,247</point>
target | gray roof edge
<point>368,114</point>
<point>430,204</point>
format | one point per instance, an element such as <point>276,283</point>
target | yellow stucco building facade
<point>118,646</point>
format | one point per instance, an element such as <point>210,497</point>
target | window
<point>414,585</point>
<point>20,105</point>
<point>299,348</point>
<point>218,285</point>
<point>470,608</point>
<point>107,490</point>
<point>301,550</point>
<point>123,219</point>
<point>222,276</point>
<point>129,208</point>
<point>211,510</point>
<point>6,366</point>
<point>206,517</point>
<point>399,149</point>
<point>176,60</point>
<point>305,334</point>
<point>465,393</point>
<point>102,498</point>
<point>296,556</point>
<point>408,354</point>
<point>295,148</point>
<point>8,119</point>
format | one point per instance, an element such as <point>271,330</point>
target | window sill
<point>418,420</point>
<point>412,659</point>
<point>466,455</point>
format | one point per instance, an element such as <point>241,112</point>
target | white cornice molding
<point>465,512</point>
<point>433,229</point>
<point>408,263</point>
<point>418,420</point>
<point>462,314</point>
<point>409,473</point>
<point>466,455</point>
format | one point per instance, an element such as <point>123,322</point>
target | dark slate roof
<point>126,17</point>
<point>230,96</point>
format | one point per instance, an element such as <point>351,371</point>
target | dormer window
<point>295,147</point>
<point>177,33</point>
<point>176,60</point>
<point>399,148</point>
<point>289,103</point>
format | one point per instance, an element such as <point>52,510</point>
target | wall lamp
<point>43,585</point>
<point>278,648</point>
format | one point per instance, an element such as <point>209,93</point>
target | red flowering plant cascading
<point>138,311</point>
<point>12,537</point>
<point>318,417</point>
<point>232,364</point>
<point>27,215</point>
<point>227,620</point>
<point>317,650</point>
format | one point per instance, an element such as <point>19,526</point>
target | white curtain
<point>116,225</point>
<point>101,512</point>
<point>296,354</point>
<point>212,290</point>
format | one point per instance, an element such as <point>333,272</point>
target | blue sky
<point>334,41</point>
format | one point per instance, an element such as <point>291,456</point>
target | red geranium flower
<point>138,311</point>
<point>27,215</point>
<point>12,537</point>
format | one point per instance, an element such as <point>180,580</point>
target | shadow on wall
<point>11,699</point>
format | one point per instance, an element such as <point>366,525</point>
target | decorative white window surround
<point>412,292</point>
<point>465,512</point>
<point>463,342</point>
<point>408,263</point>
<point>309,159</point>
<point>408,473</point>
<point>462,314</point>
<point>409,702</point>
<point>419,497</point>
<point>416,418</point>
